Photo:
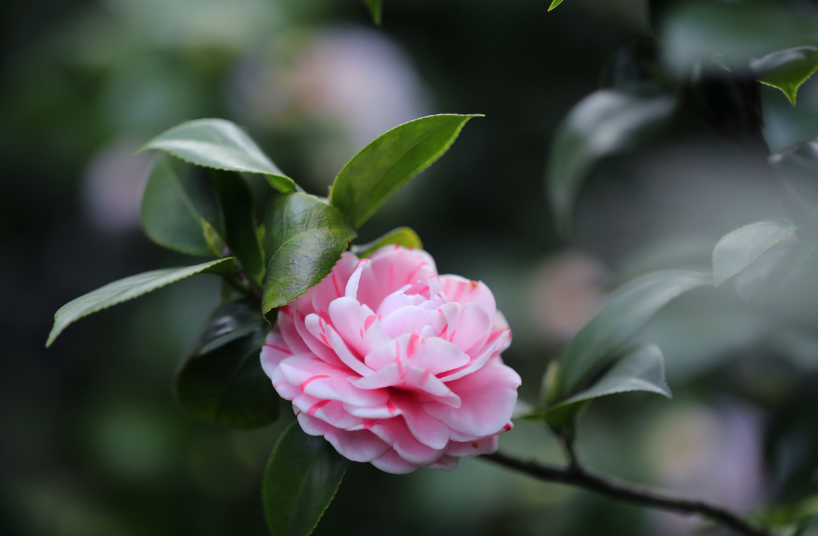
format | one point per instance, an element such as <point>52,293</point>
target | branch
<point>576,475</point>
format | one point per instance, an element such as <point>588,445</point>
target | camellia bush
<point>385,361</point>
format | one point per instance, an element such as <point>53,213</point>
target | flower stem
<point>576,475</point>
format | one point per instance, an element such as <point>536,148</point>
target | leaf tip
<point>554,4</point>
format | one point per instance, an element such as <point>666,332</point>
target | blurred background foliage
<point>92,442</point>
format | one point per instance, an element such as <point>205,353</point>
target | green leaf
<point>219,144</point>
<point>178,207</point>
<point>240,223</point>
<point>760,279</point>
<point>641,368</point>
<point>304,238</point>
<point>300,481</point>
<point>628,309</point>
<point>221,381</point>
<point>605,122</point>
<point>375,8</point>
<point>787,69</point>
<point>696,31</point>
<point>390,161</point>
<point>128,289</point>
<point>402,236</point>
<point>554,4</point>
<point>740,248</point>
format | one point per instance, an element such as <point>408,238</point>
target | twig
<point>576,475</point>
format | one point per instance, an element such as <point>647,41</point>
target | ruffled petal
<point>486,445</point>
<point>357,324</point>
<point>358,445</point>
<point>488,397</point>
<point>396,433</point>
<point>426,429</point>
<point>383,411</point>
<point>461,290</point>
<point>411,319</point>
<point>326,334</point>
<point>410,378</point>
<point>316,378</point>
<point>334,285</point>
<point>329,411</point>
<point>391,462</point>
<point>284,388</point>
<point>492,350</point>
<point>446,463</point>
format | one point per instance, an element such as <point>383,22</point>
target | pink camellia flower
<point>394,365</point>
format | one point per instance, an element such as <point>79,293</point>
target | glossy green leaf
<point>605,122</point>
<point>696,31</point>
<point>761,278</point>
<point>740,248</point>
<point>178,206</point>
<point>787,69</point>
<point>221,381</point>
<point>381,168</point>
<point>300,481</point>
<point>240,223</point>
<point>402,236</point>
<point>128,289</point>
<point>219,144</point>
<point>554,4</point>
<point>304,238</point>
<point>627,310</point>
<point>375,8</point>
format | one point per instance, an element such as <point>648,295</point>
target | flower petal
<point>426,429</point>
<point>492,350</point>
<point>284,388</point>
<point>409,378</point>
<point>316,378</point>
<point>391,462</point>
<point>329,411</point>
<point>334,285</point>
<point>446,463</point>
<point>324,332</point>
<point>486,445</point>
<point>411,319</point>
<point>396,433</point>
<point>358,445</point>
<point>488,397</point>
<point>461,290</point>
<point>357,324</point>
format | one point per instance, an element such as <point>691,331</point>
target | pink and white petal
<point>488,397</point>
<point>358,445</point>
<point>426,429</point>
<point>327,335</point>
<point>474,327</point>
<point>286,325</point>
<point>500,321</point>
<point>395,301</point>
<point>409,378</point>
<point>411,319</point>
<point>357,324</point>
<point>437,355</point>
<point>312,426</point>
<point>275,348</point>
<point>462,437</point>
<point>391,462</point>
<point>383,411</point>
<point>329,411</point>
<point>316,378</point>
<point>321,349</point>
<point>284,388</point>
<point>446,463</point>
<point>393,267</point>
<point>486,445</point>
<point>332,287</point>
<point>489,352</point>
<point>462,290</point>
<point>396,433</point>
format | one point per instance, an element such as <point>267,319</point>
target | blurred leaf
<point>215,243</point>
<point>300,481</point>
<point>128,289</point>
<point>178,206</point>
<point>402,236</point>
<point>787,69</point>
<point>304,238</point>
<point>605,122</point>
<point>628,309</point>
<point>738,249</point>
<point>799,165</point>
<point>554,4</point>
<point>219,144</point>
<point>695,32</point>
<point>222,381</point>
<point>635,67</point>
<point>641,368</point>
<point>381,168</point>
<point>375,9</point>
<point>240,223</point>
<point>756,283</point>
